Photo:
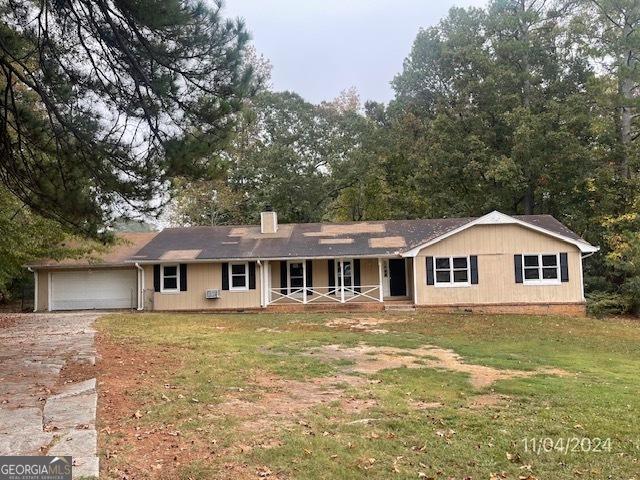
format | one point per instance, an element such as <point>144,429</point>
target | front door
<point>397,277</point>
<point>386,282</point>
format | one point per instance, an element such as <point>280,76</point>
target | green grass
<point>222,354</point>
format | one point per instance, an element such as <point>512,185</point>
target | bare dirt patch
<point>363,324</point>
<point>368,360</point>
<point>283,402</point>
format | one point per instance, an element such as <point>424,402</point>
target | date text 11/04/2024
<point>567,445</point>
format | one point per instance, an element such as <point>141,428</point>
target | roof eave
<point>261,258</point>
<point>40,266</point>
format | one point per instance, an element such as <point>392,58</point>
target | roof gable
<point>545,224</point>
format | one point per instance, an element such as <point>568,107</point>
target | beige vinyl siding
<point>495,246</point>
<point>200,277</point>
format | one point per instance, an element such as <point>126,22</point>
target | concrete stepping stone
<point>20,444</point>
<point>78,388</point>
<point>82,445</point>
<point>77,443</point>
<point>75,405</point>
<point>26,421</point>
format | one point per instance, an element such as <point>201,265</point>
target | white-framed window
<point>452,271</point>
<point>239,276</point>
<point>170,278</point>
<point>346,273</point>
<point>295,277</point>
<point>541,268</point>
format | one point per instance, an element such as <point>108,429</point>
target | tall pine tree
<point>102,102</point>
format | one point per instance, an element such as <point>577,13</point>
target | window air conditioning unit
<point>212,293</point>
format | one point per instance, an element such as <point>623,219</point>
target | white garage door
<point>93,289</point>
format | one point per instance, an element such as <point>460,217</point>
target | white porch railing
<point>346,294</point>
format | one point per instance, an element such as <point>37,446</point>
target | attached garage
<point>93,289</point>
<point>105,279</point>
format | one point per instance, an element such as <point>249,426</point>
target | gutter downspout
<point>582,257</point>
<point>141,288</point>
<point>35,289</point>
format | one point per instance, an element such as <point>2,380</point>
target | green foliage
<point>212,202</point>
<point>623,256</point>
<point>603,304</point>
<point>288,153</point>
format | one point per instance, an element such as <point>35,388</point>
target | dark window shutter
<point>156,278</point>
<point>564,267</point>
<point>356,275</point>
<point>283,277</point>
<point>225,276</point>
<point>331,264</point>
<point>430,271</point>
<point>473,260</point>
<point>252,275</point>
<point>309,267</point>
<point>517,262</point>
<point>183,277</point>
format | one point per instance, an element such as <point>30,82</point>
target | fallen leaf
<point>263,472</point>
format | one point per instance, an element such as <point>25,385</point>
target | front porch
<point>337,281</point>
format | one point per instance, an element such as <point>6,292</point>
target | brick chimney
<point>268,220</point>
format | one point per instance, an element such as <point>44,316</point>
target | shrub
<point>601,304</point>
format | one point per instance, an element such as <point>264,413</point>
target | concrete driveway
<point>47,403</point>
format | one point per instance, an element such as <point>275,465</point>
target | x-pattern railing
<point>334,294</point>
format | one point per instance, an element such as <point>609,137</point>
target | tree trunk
<point>529,201</point>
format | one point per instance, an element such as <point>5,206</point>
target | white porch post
<point>262,297</point>
<point>263,289</point>
<point>415,280</point>
<point>267,282</point>
<point>341,281</point>
<point>381,295</point>
<point>304,281</point>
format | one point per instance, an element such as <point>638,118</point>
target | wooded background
<point>526,106</point>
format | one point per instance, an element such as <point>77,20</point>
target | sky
<point>320,47</point>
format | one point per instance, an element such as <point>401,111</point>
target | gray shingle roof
<point>306,240</point>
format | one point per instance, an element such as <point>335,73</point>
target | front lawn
<point>368,396</point>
